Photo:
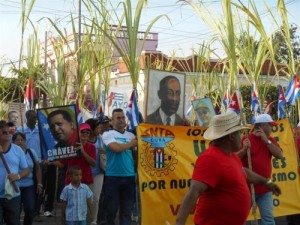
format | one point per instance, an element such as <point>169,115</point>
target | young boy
<point>76,199</point>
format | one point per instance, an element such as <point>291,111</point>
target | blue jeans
<point>10,211</point>
<point>28,200</point>
<point>119,194</point>
<point>266,208</point>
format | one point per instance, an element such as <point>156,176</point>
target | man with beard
<point>169,94</point>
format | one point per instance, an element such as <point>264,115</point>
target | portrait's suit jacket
<point>154,118</point>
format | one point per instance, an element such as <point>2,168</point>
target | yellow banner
<point>166,161</point>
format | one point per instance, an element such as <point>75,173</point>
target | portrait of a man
<point>58,132</point>
<point>165,104</point>
<point>204,111</point>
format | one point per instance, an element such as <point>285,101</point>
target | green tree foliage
<point>281,46</point>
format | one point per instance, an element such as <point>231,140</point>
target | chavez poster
<point>166,160</point>
<point>58,132</point>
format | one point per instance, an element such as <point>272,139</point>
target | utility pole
<point>79,45</point>
<point>45,69</point>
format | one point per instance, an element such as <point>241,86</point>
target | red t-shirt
<point>87,177</point>
<point>261,160</point>
<point>298,145</point>
<point>227,199</point>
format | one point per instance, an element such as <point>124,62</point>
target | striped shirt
<point>76,199</point>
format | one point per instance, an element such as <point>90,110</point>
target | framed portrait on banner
<point>58,131</point>
<point>204,111</point>
<point>165,97</point>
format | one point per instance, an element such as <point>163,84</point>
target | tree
<point>281,45</point>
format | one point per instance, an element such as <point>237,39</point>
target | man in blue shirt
<point>119,179</point>
<point>31,131</point>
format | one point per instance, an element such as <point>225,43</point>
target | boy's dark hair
<point>72,169</point>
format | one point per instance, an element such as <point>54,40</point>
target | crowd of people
<point>79,180</point>
<point>103,172</point>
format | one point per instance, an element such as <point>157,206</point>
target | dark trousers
<point>119,194</point>
<point>10,211</point>
<point>28,201</point>
<point>49,181</point>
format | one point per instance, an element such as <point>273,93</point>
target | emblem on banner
<point>158,154</point>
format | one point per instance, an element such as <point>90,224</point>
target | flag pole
<point>243,118</point>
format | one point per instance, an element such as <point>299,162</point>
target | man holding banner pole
<point>219,181</point>
<point>262,148</point>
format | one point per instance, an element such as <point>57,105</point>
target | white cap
<point>265,118</point>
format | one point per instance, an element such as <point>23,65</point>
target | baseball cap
<point>265,118</point>
<point>105,119</point>
<point>84,126</point>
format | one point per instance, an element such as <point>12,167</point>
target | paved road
<point>56,220</point>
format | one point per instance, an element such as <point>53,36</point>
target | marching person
<point>219,181</point>
<point>16,161</point>
<point>119,185</point>
<point>262,148</point>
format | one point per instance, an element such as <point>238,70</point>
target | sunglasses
<point>85,132</point>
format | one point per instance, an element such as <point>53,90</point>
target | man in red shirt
<point>219,180</point>
<point>262,148</point>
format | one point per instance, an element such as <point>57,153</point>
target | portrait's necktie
<point>168,121</point>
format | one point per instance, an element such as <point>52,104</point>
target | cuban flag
<point>234,104</point>
<point>225,99</point>
<point>189,110</point>
<point>281,103</point>
<point>254,100</point>
<point>30,95</point>
<point>293,90</point>
<point>132,111</point>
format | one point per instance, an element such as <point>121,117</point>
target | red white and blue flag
<point>293,90</point>
<point>132,111</point>
<point>281,103</point>
<point>225,99</point>
<point>234,104</point>
<point>189,110</point>
<point>30,95</point>
<point>254,100</point>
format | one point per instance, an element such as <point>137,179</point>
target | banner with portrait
<point>165,97</point>
<point>166,161</point>
<point>204,111</point>
<point>58,131</point>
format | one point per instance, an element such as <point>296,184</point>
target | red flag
<point>234,104</point>
<point>30,95</point>
<point>111,98</point>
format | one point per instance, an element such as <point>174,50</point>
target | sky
<point>183,31</point>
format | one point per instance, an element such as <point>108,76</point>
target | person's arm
<point>120,147</point>
<point>90,207</point>
<point>18,176</point>
<point>189,201</point>
<point>90,160</point>
<point>255,178</point>
<point>245,146</point>
<point>38,175</point>
<point>273,148</point>
<point>63,212</point>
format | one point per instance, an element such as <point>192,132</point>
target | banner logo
<point>158,152</point>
